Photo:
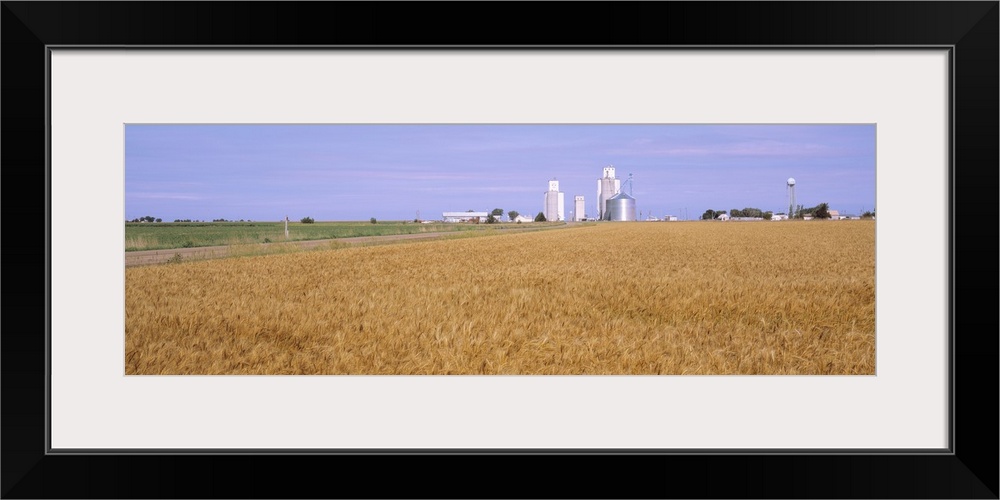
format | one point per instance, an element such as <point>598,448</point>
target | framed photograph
<point>147,108</point>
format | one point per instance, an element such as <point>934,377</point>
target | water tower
<point>791,197</point>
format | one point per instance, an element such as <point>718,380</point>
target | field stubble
<point>615,298</point>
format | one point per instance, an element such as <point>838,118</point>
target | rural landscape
<point>382,249</point>
<point>691,298</point>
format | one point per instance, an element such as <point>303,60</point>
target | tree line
<point>147,218</point>
<point>821,211</point>
<point>737,212</point>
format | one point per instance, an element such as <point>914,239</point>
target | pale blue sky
<point>355,172</point>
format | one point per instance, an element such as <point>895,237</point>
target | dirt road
<point>146,257</point>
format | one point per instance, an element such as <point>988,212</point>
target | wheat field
<point>790,297</point>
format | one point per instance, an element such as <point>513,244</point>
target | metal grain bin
<point>620,207</point>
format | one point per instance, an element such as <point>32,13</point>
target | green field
<point>165,235</point>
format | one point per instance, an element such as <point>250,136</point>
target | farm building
<point>464,216</point>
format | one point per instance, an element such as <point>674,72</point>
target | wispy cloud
<point>484,189</point>
<point>164,196</point>
<point>740,149</point>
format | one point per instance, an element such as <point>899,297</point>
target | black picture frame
<point>969,470</point>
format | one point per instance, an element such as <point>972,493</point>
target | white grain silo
<point>579,211</point>
<point>607,186</point>
<point>553,204</point>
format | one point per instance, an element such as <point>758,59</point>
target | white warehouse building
<point>553,204</point>
<point>464,216</point>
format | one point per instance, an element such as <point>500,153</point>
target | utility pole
<point>286,227</point>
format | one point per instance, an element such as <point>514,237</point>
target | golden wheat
<point>614,298</point>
